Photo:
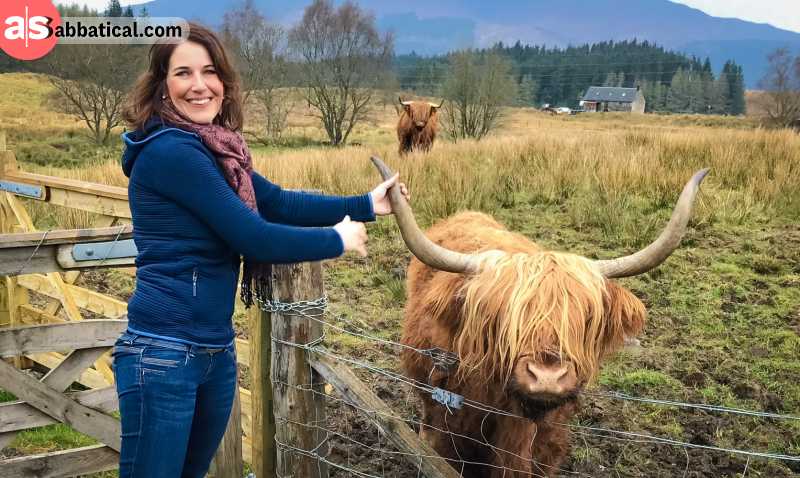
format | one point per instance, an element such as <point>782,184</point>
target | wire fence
<point>351,445</point>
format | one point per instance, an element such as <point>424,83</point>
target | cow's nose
<point>557,378</point>
<point>420,124</point>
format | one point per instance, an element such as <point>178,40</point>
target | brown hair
<point>144,100</point>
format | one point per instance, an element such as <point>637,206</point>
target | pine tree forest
<point>671,82</point>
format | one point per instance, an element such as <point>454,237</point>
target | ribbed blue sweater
<point>190,229</point>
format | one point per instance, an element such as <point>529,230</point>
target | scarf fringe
<point>256,283</point>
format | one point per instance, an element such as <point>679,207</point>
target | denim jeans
<point>175,400</point>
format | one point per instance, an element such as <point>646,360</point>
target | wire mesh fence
<point>352,442</point>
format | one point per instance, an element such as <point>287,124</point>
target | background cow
<point>530,328</point>
<point>416,128</point>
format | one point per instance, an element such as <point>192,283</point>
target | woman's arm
<point>305,209</point>
<point>188,177</point>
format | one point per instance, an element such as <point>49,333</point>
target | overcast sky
<point>780,13</point>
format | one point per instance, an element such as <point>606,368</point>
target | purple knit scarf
<point>233,156</point>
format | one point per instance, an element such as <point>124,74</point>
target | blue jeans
<point>175,400</point>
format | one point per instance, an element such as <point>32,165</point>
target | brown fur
<point>412,138</point>
<point>530,303</point>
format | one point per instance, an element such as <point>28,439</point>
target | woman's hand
<point>380,199</point>
<point>353,234</point>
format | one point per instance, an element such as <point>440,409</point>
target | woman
<point>197,206</point>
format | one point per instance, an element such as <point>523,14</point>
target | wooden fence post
<point>291,369</point>
<point>261,417</point>
<point>228,460</point>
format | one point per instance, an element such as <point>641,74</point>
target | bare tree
<point>476,87</point>
<point>260,50</point>
<point>343,58</point>
<point>90,83</point>
<point>781,99</point>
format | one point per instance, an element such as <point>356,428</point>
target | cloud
<point>783,14</point>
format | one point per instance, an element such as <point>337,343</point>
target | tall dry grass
<point>606,171</point>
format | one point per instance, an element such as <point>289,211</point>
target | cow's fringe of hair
<point>523,302</point>
<point>409,137</point>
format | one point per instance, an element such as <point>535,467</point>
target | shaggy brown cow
<point>529,328</point>
<point>416,128</point>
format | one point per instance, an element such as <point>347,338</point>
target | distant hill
<point>436,27</point>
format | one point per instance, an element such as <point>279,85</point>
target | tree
<point>526,91</point>
<point>719,96</point>
<point>736,102</point>
<point>476,88</point>
<point>342,59</point>
<point>90,83</point>
<point>614,79</point>
<point>128,12</point>
<point>782,88</point>
<point>260,50</point>
<point>678,96</point>
<point>114,9</point>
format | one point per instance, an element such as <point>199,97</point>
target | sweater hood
<point>135,141</point>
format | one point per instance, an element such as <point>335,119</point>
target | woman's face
<point>193,84</point>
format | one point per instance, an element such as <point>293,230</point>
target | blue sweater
<point>190,228</point>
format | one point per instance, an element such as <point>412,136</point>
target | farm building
<point>612,98</point>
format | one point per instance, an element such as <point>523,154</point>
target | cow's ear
<point>624,314</point>
<point>407,108</point>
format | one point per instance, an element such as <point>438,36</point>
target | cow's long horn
<point>435,105</point>
<point>404,103</point>
<point>654,254</point>
<point>423,248</point>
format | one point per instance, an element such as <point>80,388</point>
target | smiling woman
<point>197,206</point>
<point>193,85</point>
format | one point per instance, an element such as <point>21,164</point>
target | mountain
<point>436,27</point>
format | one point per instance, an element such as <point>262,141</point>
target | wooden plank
<point>31,339</point>
<point>18,415</point>
<point>247,451</point>
<point>294,283</point>
<point>77,461</point>
<point>84,298</point>
<point>30,315</point>
<point>66,236</point>
<point>90,378</point>
<point>245,399</point>
<point>354,391</point>
<point>247,411</point>
<point>262,421</point>
<point>89,202</point>
<point>243,352</point>
<point>28,260</point>
<point>98,425</point>
<point>74,185</point>
<point>16,296</point>
<point>228,459</point>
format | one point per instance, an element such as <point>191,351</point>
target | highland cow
<point>416,128</point>
<point>528,329</point>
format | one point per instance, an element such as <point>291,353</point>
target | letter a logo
<point>26,28</point>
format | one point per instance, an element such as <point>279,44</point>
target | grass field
<point>724,311</point>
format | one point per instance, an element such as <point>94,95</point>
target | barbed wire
<point>699,406</point>
<point>303,309</point>
<point>447,359</point>
<point>411,422</point>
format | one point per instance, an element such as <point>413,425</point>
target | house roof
<point>610,93</point>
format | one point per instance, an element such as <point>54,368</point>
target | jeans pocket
<point>161,360</point>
